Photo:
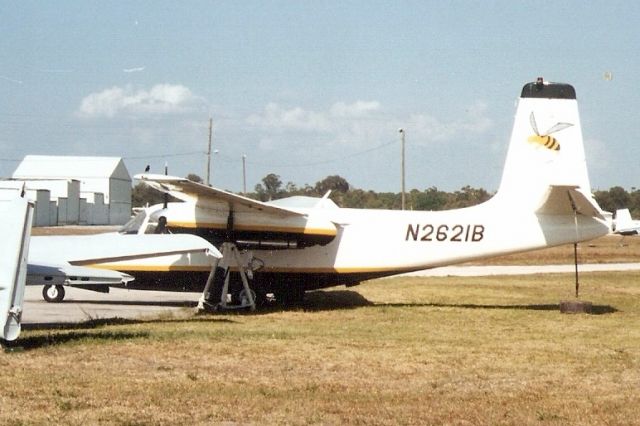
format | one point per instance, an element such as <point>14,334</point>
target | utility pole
<point>244,174</point>
<point>209,153</point>
<point>401,131</point>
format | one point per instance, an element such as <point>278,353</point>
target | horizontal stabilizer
<point>569,199</point>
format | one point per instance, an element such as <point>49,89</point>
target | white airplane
<point>97,262</point>
<point>301,243</point>
<point>624,225</point>
<point>92,262</point>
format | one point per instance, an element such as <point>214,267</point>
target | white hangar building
<point>103,187</point>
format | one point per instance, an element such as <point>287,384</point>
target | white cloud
<point>135,69</point>
<point>278,118</point>
<point>339,116</point>
<point>361,123</point>
<point>428,128</point>
<point>477,120</point>
<point>160,99</point>
<point>356,109</point>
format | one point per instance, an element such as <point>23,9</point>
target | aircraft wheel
<point>53,293</point>
<point>243,298</point>
<point>259,297</point>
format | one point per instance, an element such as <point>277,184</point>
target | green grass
<point>486,350</point>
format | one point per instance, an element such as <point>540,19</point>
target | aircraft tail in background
<point>624,224</point>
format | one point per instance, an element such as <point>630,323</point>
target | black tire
<point>53,294</point>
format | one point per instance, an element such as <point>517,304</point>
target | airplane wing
<point>16,214</point>
<point>301,221</point>
<point>123,252</point>
<point>187,190</point>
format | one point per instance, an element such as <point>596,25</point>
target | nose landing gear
<point>53,293</point>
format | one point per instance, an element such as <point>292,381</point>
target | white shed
<point>104,175</point>
<point>40,197</point>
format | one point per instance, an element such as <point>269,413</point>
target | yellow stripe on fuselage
<point>150,268</point>
<point>330,232</point>
<point>204,268</point>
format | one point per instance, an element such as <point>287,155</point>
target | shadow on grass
<point>314,301</point>
<point>100,322</point>
<point>54,339</point>
<point>323,300</point>
<point>345,299</point>
<point>333,300</point>
<point>595,309</point>
<point>70,332</point>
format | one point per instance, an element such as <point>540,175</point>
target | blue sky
<point>310,89</point>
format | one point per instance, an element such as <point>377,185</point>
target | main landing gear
<point>223,293</point>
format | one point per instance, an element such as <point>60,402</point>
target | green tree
<point>613,199</point>
<point>143,195</point>
<point>634,203</point>
<point>467,197</point>
<point>270,188</point>
<point>430,199</point>
<point>194,177</point>
<point>333,183</point>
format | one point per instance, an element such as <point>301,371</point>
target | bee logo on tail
<point>545,139</point>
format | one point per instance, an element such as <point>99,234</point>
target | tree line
<point>271,187</point>
<point>344,195</point>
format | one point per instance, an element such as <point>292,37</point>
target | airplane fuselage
<point>377,243</point>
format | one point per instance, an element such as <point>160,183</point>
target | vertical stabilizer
<point>15,227</point>
<point>546,148</point>
<point>623,219</point>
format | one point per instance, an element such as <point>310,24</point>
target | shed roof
<point>57,167</point>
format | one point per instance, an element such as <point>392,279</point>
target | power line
<point>326,161</point>
<point>178,154</point>
<point>282,165</point>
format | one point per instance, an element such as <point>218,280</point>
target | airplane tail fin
<point>623,219</point>
<point>546,153</point>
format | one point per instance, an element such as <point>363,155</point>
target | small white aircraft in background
<point>96,262</point>
<point>301,243</point>
<point>624,225</point>
<point>91,262</point>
